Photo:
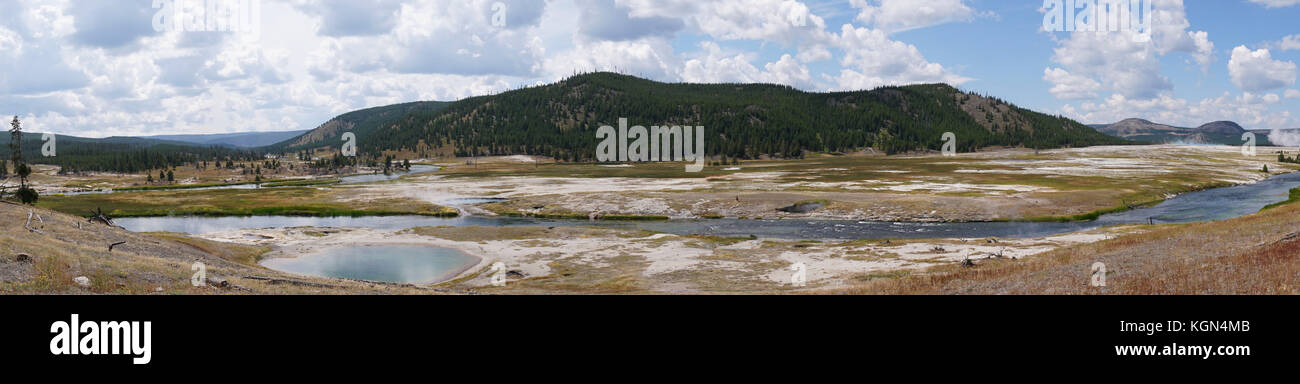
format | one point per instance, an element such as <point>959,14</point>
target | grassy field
<point>290,201</point>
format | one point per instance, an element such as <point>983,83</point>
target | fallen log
<point>111,246</point>
<point>1285,238</point>
<point>273,280</point>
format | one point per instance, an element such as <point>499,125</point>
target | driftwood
<point>28,226</point>
<point>1289,237</point>
<point>273,280</point>
<point>98,216</point>
<point>111,246</point>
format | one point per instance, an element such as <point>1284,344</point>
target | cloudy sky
<point>101,68</point>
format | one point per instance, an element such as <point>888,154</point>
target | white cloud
<point>1255,71</point>
<point>1068,86</point>
<point>651,58</point>
<point>901,15</point>
<point>1131,67</point>
<point>872,60</point>
<point>1276,3</point>
<point>1289,43</point>
<point>731,67</point>
<point>1293,94</point>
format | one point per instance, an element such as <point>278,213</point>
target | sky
<point>100,68</point>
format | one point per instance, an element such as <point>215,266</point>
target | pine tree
<point>25,194</point>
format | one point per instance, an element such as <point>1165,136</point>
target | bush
<point>27,195</point>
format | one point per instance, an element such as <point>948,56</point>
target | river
<point>1207,205</point>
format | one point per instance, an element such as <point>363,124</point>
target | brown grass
<point>1248,255</point>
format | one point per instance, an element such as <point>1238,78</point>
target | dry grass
<point>69,247</point>
<point>1248,255</point>
<point>300,201</point>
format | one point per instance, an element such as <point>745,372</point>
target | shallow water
<point>1213,204</point>
<point>391,263</point>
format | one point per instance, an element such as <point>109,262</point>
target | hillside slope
<point>741,120</point>
<point>362,123</point>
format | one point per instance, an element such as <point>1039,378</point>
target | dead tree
<point>98,216</point>
<point>111,246</point>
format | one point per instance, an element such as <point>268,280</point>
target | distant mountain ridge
<point>236,140</point>
<point>742,120</point>
<point>1218,132</point>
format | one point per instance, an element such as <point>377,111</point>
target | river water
<point>1208,205</point>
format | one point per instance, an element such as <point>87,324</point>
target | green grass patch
<point>1295,196</point>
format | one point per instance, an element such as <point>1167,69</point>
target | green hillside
<point>741,120</point>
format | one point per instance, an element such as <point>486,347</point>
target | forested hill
<point>741,120</point>
<point>362,123</point>
<point>119,154</point>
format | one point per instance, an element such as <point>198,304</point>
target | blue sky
<point>101,68</point>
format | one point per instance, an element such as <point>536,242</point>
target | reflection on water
<point>1214,204</point>
<point>390,263</point>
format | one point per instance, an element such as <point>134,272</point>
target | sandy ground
<point>667,263</point>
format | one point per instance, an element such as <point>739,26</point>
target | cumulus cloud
<point>1289,43</point>
<point>352,18</point>
<point>717,66</point>
<point>871,59</point>
<point>1068,86</point>
<point>1276,3</point>
<point>1255,71</point>
<point>1131,67</point>
<point>604,20</point>
<point>111,24</point>
<point>902,15</point>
